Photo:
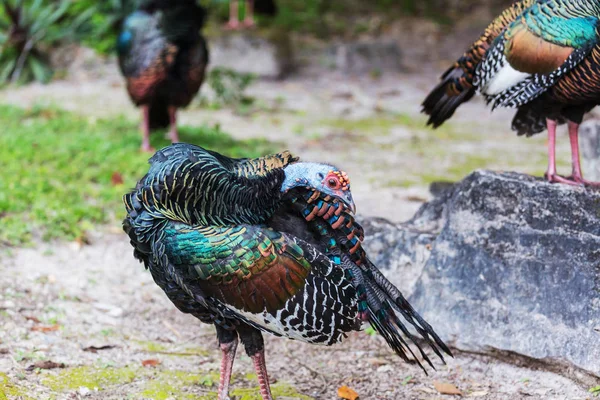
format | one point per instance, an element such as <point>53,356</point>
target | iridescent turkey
<point>264,245</point>
<point>163,57</point>
<point>540,56</point>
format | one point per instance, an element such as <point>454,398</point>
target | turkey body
<point>163,57</point>
<point>539,56</point>
<point>263,245</point>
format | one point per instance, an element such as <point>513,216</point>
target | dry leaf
<point>446,388</point>
<point>116,179</point>
<point>346,393</point>
<point>94,349</point>
<point>377,361</point>
<point>40,328</point>
<point>416,199</point>
<point>480,393</point>
<point>46,365</point>
<point>150,363</point>
<point>32,318</point>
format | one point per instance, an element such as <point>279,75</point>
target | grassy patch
<point>63,173</point>
<point>176,384</point>
<point>8,390</point>
<point>89,377</point>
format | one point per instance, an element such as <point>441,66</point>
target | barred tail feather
<point>444,99</point>
<point>385,302</point>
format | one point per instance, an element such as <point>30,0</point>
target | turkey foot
<point>555,178</point>
<point>575,157</point>
<point>233,23</point>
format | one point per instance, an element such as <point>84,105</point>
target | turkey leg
<point>576,159</point>
<point>551,174</point>
<point>255,348</point>
<point>228,341</point>
<point>249,18</point>
<point>146,130</point>
<point>173,132</point>
<point>233,15</point>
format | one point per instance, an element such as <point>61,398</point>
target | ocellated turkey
<point>264,245</point>
<point>539,56</point>
<point>163,57</point>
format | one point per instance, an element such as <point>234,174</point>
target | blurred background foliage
<point>30,29</point>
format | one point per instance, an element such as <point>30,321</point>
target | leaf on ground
<point>378,362</point>
<point>4,351</point>
<point>206,381</point>
<point>45,365</point>
<point>32,318</point>
<point>40,328</point>
<point>94,349</point>
<point>151,362</point>
<point>446,388</point>
<point>407,380</point>
<point>116,179</point>
<point>347,394</point>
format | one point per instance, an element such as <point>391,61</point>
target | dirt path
<point>59,299</point>
<point>97,295</point>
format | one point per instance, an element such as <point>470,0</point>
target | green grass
<point>57,169</point>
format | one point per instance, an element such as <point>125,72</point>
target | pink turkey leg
<point>576,159</point>
<point>173,133</point>
<point>228,351</point>
<point>551,174</point>
<point>261,371</point>
<point>146,130</point>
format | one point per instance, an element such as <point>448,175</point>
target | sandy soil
<point>59,299</point>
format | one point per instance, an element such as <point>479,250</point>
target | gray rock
<point>589,138</point>
<point>266,56</point>
<point>506,265</point>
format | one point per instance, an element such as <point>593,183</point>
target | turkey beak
<point>349,201</point>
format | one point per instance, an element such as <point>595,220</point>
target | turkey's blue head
<point>323,178</point>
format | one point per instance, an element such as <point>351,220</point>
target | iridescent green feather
<point>220,253</point>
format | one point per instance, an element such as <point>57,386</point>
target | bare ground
<point>59,299</point>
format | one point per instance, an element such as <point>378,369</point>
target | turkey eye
<point>332,182</point>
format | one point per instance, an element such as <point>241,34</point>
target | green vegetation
<point>173,384</point>
<point>104,26</point>
<point>62,173</point>
<point>8,390</point>
<point>27,29</point>
<point>89,377</point>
